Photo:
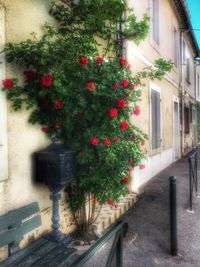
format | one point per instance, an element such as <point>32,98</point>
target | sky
<point>194,8</point>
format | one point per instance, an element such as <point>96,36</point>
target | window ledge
<point>155,151</point>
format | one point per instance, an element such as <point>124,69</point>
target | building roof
<point>182,10</point>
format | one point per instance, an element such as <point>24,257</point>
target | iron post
<point>173,216</point>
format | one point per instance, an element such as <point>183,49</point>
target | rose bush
<point>91,118</point>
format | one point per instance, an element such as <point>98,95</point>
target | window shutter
<point>157,119</point>
<point>156,21</point>
<point>153,118</point>
<point>188,69</point>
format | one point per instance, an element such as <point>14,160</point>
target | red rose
<point>45,129</point>
<point>94,141</point>
<point>84,61</point>
<point>117,206</point>
<point>111,202</point>
<point>113,112</point>
<point>116,139</point>
<point>121,103</point>
<point>124,125</point>
<point>137,111</point>
<point>99,60</point>
<point>132,86</point>
<point>131,161</point>
<point>125,180</point>
<point>57,125</point>
<point>124,83</point>
<point>130,169</point>
<point>142,166</point>
<point>107,142</point>
<point>91,86</point>
<point>8,83</point>
<point>116,86</point>
<point>46,81</point>
<point>58,104</point>
<point>129,67</point>
<point>30,75</point>
<point>123,62</point>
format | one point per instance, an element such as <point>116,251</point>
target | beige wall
<point>22,18</point>
<point>144,55</point>
<point>168,20</point>
<point>189,88</point>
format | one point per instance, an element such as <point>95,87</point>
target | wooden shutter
<point>155,119</point>
<point>175,47</point>
<point>188,69</point>
<point>186,120</point>
<point>155,20</point>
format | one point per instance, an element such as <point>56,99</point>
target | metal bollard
<point>173,216</point>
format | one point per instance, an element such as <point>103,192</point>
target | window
<point>186,120</point>
<point>198,86</point>
<point>184,52</point>
<point>175,47</point>
<point>155,21</point>
<point>187,69</point>
<point>155,119</point>
<point>191,113</point>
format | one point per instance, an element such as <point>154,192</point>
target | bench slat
<point>12,260</point>
<point>60,259</point>
<point>15,217</point>
<point>28,256</point>
<point>32,258</point>
<point>44,260</point>
<point>16,234</point>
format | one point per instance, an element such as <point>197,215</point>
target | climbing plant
<point>85,97</point>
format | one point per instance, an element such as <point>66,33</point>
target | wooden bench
<point>42,252</point>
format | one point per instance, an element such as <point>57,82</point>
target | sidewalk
<point>147,243</point>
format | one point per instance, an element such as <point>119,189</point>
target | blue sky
<point>194,8</point>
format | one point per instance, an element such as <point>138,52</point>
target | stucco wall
<point>143,56</point>
<point>21,18</point>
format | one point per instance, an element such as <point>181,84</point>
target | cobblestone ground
<point>147,243</point>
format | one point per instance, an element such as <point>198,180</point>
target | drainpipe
<point>181,92</point>
<point>197,61</point>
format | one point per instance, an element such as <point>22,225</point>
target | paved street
<point>147,243</point>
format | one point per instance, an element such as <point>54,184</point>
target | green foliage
<point>134,30</point>
<point>100,18</point>
<point>198,121</point>
<point>157,71</point>
<point>72,100</point>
